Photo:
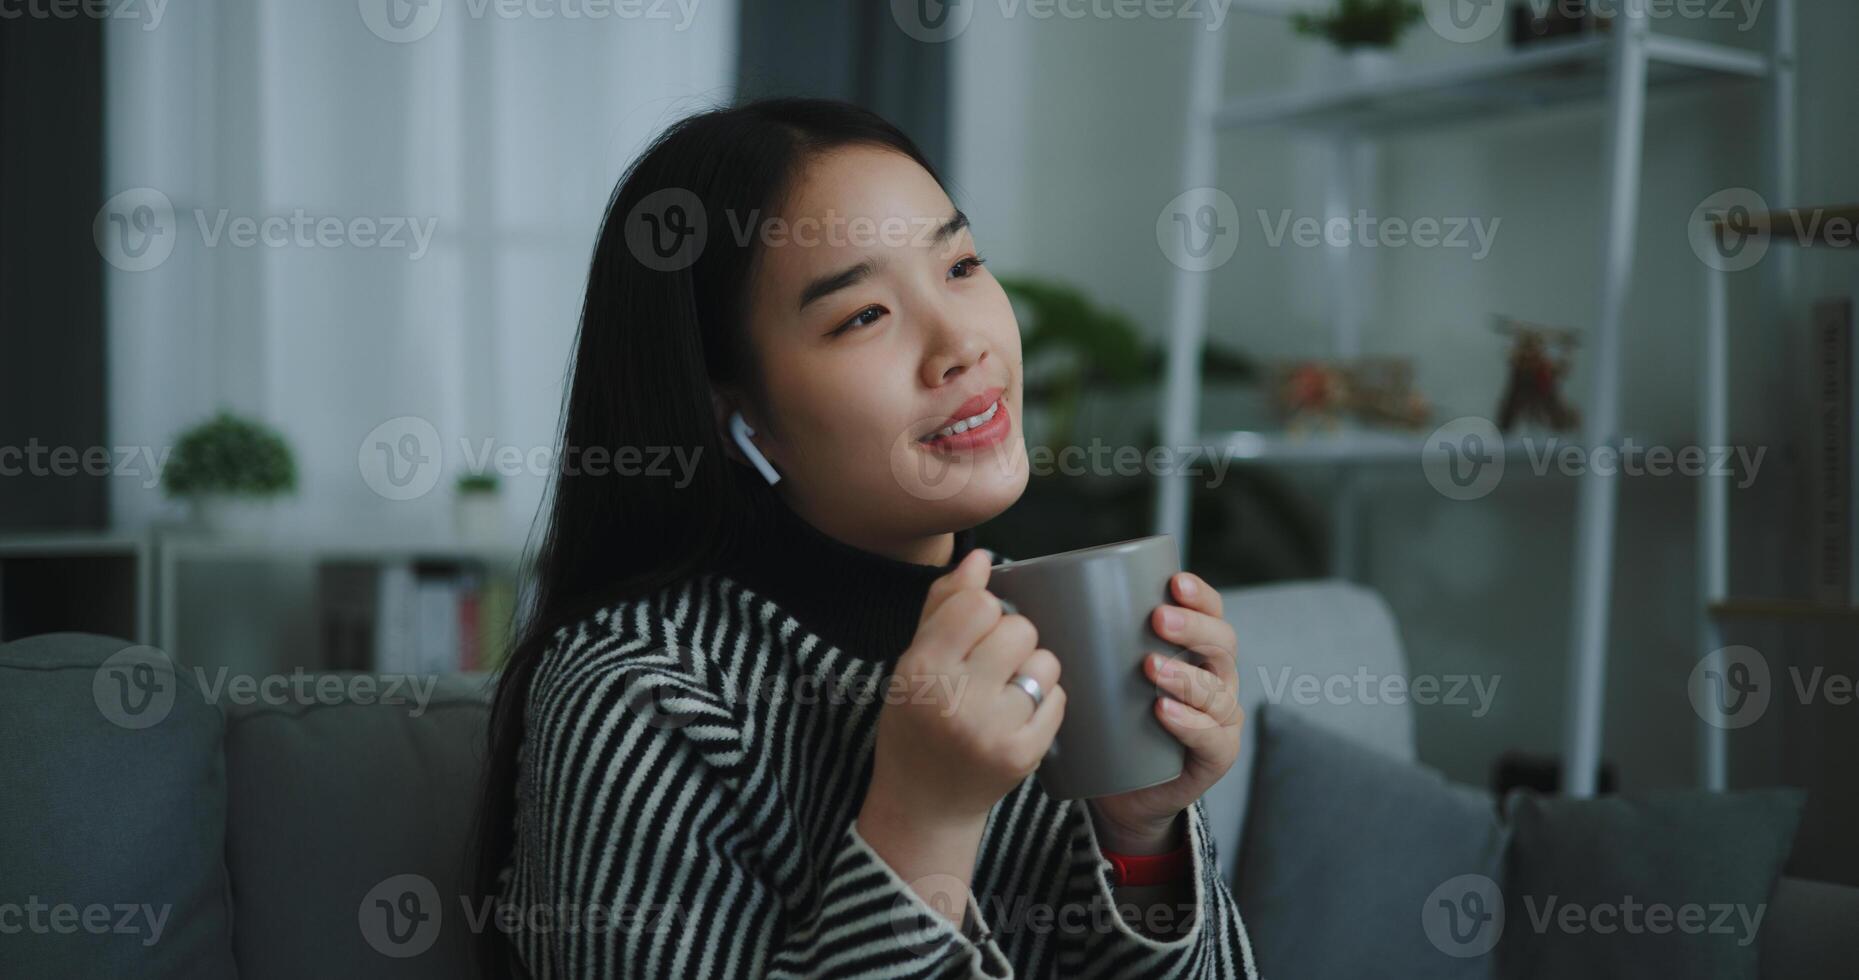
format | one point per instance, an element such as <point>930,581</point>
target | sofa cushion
<point>1292,636</point>
<point>1676,884</point>
<point>1363,865</point>
<point>113,800</point>
<point>351,813</point>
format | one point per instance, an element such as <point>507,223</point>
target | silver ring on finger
<point>1031,687</point>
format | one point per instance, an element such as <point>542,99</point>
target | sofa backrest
<point>350,817</point>
<point>1303,646</point>
<point>113,803</point>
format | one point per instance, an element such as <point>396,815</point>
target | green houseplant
<point>1075,350</point>
<point>229,468</point>
<point>1357,24</point>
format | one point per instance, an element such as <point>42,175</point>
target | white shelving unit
<point>1615,70</point>
<point>177,553</point>
<point>145,581</point>
<point>1785,228</point>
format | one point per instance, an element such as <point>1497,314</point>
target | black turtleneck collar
<point>864,603</point>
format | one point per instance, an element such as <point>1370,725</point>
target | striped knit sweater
<point>692,766</point>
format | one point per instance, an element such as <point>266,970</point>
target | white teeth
<point>971,422</point>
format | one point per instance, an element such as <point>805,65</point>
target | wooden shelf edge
<point>1744,607</point>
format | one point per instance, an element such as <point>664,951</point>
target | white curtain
<point>497,128</point>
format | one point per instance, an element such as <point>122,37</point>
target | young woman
<point>769,722</point>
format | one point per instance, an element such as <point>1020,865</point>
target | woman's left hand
<point>1199,705</point>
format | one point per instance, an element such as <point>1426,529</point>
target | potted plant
<point>477,515</point>
<point>229,469</point>
<point>1076,352</point>
<point>1365,31</point>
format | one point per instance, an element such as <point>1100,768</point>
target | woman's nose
<point>953,350</point>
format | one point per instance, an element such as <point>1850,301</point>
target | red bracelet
<point>1147,869</point>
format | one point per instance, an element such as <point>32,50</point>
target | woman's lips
<point>988,433</point>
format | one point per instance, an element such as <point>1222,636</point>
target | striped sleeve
<point>1216,947</point>
<point>641,813</point>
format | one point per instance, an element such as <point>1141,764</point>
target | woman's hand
<point>956,737</point>
<point>1199,705</point>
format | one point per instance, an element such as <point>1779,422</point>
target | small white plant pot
<point>478,517</point>
<point>232,514</point>
<point>1370,64</point>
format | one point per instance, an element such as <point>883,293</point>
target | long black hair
<point>658,329</point>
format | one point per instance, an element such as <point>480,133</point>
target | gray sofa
<point>219,831</point>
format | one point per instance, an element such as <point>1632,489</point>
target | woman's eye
<point>863,318</point>
<point>966,267</point>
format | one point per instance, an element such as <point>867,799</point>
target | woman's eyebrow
<point>854,274</point>
<point>829,284</point>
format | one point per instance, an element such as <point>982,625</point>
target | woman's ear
<point>738,435</point>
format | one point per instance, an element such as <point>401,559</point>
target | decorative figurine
<point>1533,393</point>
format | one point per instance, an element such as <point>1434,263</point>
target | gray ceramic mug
<point>1092,608</point>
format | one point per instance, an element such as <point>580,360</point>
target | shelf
<point>1359,446</point>
<point>188,548</point>
<point>1544,74</point>
<point>68,543</point>
<point>1828,227</point>
<point>1743,607</point>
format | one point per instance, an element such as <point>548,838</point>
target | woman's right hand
<point>955,736</point>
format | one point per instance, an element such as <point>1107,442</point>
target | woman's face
<point>876,328</point>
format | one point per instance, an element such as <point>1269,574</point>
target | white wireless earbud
<point>739,430</point>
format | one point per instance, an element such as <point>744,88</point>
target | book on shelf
<point>413,617</point>
<point>1830,472</point>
